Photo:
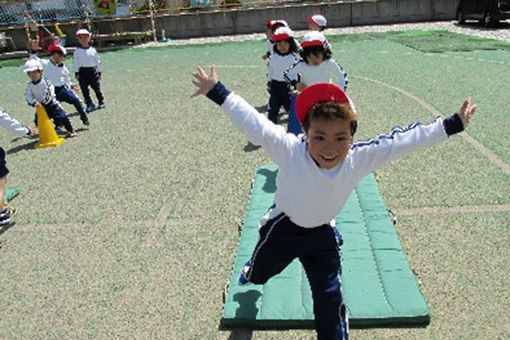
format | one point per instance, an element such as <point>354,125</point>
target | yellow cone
<point>47,135</point>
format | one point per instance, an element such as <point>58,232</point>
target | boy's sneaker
<point>101,105</point>
<point>90,108</point>
<point>243,280</point>
<point>71,134</point>
<point>7,215</point>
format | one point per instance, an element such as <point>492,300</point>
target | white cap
<point>83,31</point>
<point>319,20</point>
<point>32,65</point>
<point>282,33</point>
<point>313,38</point>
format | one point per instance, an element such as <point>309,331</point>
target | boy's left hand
<point>204,82</point>
<point>466,111</point>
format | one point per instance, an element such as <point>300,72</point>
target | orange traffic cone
<point>47,135</point>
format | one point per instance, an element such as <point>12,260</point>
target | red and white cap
<point>83,31</point>
<point>318,93</point>
<point>319,20</point>
<point>57,48</point>
<point>282,33</point>
<point>313,38</point>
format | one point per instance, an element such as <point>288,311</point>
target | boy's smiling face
<point>329,141</point>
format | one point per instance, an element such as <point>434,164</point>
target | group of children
<point>293,66</point>
<point>50,85</point>
<point>318,165</point>
<point>50,82</point>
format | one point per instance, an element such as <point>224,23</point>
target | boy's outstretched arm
<point>401,141</point>
<point>258,128</point>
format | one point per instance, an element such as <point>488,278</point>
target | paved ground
<point>500,33</point>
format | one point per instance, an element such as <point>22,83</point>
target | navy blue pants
<point>3,164</point>
<point>293,126</point>
<point>58,115</point>
<point>279,96</point>
<point>66,95</point>
<point>88,77</point>
<point>318,250</point>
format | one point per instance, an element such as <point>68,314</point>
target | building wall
<point>240,21</point>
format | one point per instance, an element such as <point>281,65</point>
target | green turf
<point>154,147</point>
<point>379,288</point>
<point>435,41</point>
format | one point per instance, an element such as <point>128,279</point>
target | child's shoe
<point>243,280</point>
<point>71,134</point>
<point>85,120</point>
<point>101,105</point>
<point>91,107</point>
<point>7,215</point>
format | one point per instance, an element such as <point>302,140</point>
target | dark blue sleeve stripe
<point>218,94</point>
<point>394,131</point>
<point>453,124</point>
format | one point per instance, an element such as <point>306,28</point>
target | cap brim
<point>280,37</point>
<point>312,43</point>
<point>318,93</point>
<point>310,20</point>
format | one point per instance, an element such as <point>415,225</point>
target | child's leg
<point>274,102</point>
<point>58,114</point>
<point>3,182</point>
<point>323,268</point>
<point>96,86</point>
<point>293,126</point>
<point>67,95</point>
<point>84,87</point>
<point>271,255</point>
<point>3,179</point>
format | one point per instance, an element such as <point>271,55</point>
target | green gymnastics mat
<point>380,290</point>
<point>10,193</point>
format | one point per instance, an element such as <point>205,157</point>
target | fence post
<point>153,24</point>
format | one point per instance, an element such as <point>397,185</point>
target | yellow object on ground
<point>47,135</point>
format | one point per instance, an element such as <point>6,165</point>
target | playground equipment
<point>47,135</point>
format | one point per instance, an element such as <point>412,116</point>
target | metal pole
<point>153,24</point>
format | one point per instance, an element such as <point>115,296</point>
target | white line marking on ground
<point>451,210</point>
<point>476,144</point>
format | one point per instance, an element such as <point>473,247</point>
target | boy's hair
<point>316,50</point>
<point>293,46</point>
<point>331,110</point>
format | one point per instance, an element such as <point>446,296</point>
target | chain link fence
<point>32,11</point>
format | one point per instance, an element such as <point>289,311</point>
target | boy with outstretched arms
<point>317,172</point>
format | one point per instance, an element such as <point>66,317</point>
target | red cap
<point>56,48</point>
<point>313,38</point>
<point>317,93</point>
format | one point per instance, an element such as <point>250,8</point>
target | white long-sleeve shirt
<point>278,64</point>
<point>310,195</point>
<point>86,57</point>
<point>43,92</point>
<point>329,71</point>
<point>11,124</point>
<point>58,75</point>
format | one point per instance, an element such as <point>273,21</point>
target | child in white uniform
<point>282,58</point>
<point>317,172</point>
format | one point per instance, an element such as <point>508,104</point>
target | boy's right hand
<point>466,111</point>
<point>204,82</point>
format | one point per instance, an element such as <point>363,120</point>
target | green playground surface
<point>130,229</point>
